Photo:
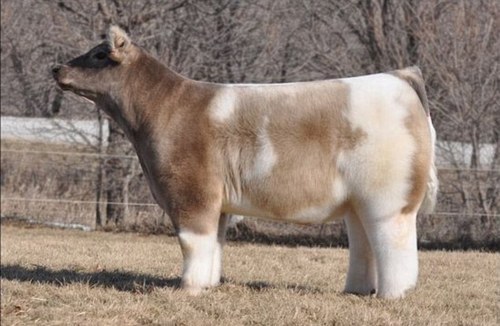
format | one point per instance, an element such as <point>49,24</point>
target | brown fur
<point>307,142</point>
<point>307,152</point>
<point>180,158</point>
<point>162,113</point>
<point>193,163</point>
<point>421,163</point>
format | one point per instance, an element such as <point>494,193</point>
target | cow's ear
<point>119,43</point>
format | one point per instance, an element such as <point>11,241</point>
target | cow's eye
<point>100,55</point>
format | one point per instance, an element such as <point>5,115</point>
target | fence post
<point>100,168</point>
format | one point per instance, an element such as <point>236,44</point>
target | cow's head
<point>100,71</point>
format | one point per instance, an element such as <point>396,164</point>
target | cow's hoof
<point>359,290</point>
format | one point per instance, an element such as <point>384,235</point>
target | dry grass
<point>56,277</point>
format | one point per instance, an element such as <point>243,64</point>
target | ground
<point>62,277</point>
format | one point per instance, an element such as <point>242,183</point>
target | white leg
<point>202,257</point>
<point>394,243</point>
<point>362,275</point>
<point>198,251</point>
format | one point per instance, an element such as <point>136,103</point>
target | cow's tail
<point>414,77</point>
<point>429,202</point>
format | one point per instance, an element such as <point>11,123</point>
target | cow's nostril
<point>56,69</point>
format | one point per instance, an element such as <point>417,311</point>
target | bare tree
<point>454,42</point>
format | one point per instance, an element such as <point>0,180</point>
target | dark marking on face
<point>96,58</point>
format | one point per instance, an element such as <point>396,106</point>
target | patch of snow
<point>86,132</point>
<point>53,131</point>
<point>460,154</point>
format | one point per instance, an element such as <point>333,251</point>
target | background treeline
<point>455,43</point>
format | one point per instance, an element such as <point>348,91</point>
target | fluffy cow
<point>356,148</point>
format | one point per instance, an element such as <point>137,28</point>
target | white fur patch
<point>223,106</point>
<point>202,260</point>
<point>265,157</point>
<point>216,265</point>
<point>379,169</point>
<point>394,244</point>
<point>314,214</point>
<point>339,191</point>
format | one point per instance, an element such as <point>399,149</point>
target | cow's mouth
<point>64,87</point>
<point>59,73</point>
<point>86,94</point>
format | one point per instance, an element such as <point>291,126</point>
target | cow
<point>359,149</point>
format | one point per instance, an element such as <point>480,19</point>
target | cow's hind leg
<point>394,243</point>
<point>202,253</point>
<point>362,276</point>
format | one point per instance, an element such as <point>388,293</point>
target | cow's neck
<point>150,90</point>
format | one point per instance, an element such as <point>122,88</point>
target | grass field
<point>62,277</point>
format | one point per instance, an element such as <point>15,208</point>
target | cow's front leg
<point>202,253</point>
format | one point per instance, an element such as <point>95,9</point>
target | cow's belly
<point>307,193</point>
<point>310,214</point>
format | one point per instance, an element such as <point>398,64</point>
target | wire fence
<point>99,155</point>
<point>59,188</point>
<point>90,202</point>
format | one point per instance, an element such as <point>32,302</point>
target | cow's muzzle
<point>58,74</point>
<point>55,71</point>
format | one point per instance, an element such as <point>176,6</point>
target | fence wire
<point>46,157</point>
<point>104,156</point>
<point>90,202</point>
